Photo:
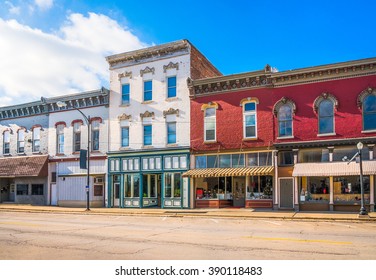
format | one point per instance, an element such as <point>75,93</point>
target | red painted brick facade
<point>229,115</point>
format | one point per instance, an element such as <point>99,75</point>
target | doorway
<point>239,191</point>
<point>286,193</point>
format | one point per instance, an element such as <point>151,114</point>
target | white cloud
<point>44,4</point>
<point>13,10</point>
<point>35,63</point>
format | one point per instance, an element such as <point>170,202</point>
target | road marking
<point>20,224</point>
<point>274,223</point>
<point>164,218</point>
<point>215,221</point>
<point>343,225</point>
<point>300,240</point>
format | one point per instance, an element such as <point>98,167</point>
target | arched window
<point>369,112</point>
<point>326,116</point>
<point>285,121</point>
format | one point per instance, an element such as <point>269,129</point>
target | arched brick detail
<point>60,123</point>
<point>77,121</point>
<point>284,101</point>
<point>323,96</point>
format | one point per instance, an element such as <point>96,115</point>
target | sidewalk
<point>242,213</point>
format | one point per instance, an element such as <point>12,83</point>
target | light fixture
<point>61,104</point>
<point>359,146</point>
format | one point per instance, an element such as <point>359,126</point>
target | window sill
<point>210,142</point>
<point>285,137</point>
<point>369,131</point>
<point>170,99</point>
<point>147,102</point>
<point>125,105</point>
<point>21,154</point>
<point>250,139</point>
<point>172,145</point>
<point>60,155</point>
<point>37,153</point>
<point>148,147</point>
<point>75,153</point>
<point>124,148</point>
<point>326,134</point>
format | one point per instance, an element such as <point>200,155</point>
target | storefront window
<point>238,160</point>
<point>317,155</point>
<point>132,185</point>
<point>261,187</point>
<point>212,161</point>
<point>214,188</point>
<point>347,188</point>
<point>315,189</point>
<point>150,185</point>
<point>200,161</point>
<point>285,158</point>
<point>172,185</point>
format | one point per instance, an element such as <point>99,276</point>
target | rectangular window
<point>250,120</point>
<point>171,133</point>
<point>95,135</point>
<point>98,190</point>
<point>200,161</point>
<point>167,162</point>
<point>22,189</point>
<point>125,136</point>
<point>212,161</point>
<point>77,137</point>
<point>265,159</point>
<point>36,139</point>
<point>183,162</point>
<point>148,90</point>
<point>171,87</point>
<point>224,161</point>
<point>148,135</point>
<point>115,165</point>
<point>317,155</point>
<point>37,189</point>
<point>21,141</point>
<point>125,93</point>
<point>60,139</point>
<point>210,124</point>
<point>285,158</point>
<point>6,148</point>
<point>238,160</point>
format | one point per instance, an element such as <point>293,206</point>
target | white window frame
<point>245,114</point>
<point>206,121</point>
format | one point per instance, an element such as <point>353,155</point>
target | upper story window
<point>367,102</point>
<point>6,142</point>
<point>148,90</point>
<point>326,117</point>
<point>125,94</point>
<point>21,141</point>
<point>36,139</point>
<point>95,135</point>
<point>77,136</point>
<point>285,158</point>
<point>285,121</point>
<point>148,132</point>
<point>210,124</point>
<point>171,132</point>
<point>175,162</point>
<point>250,120</point>
<point>324,106</point>
<point>125,136</point>
<point>60,139</point>
<point>171,87</point>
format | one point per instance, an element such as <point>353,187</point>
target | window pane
<point>325,125</point>
<point>37,189</point>
<point>158,163</point>
<point>200,161</point>
<point>95,140</point>
<point>125,94</point>
<point>212,161</point>
<point>147,135</point>
<point>176,184</point>
<point>250,120</point>
<point>125,136</point>
<point>183,162</point>
<point>225,161</point>
<point>136,164</point>
<point>265,159</point>
<point>326,108</point>
<point>210,112</point>
<point>369,121</point>
<point>175,162</point>
<point>238,160</point>
<point>253,159</point>
<point>148,91</point>
<point>151,163</point>
<point>285,158</point>
<point>171,133</point>
<point>250,131</point>
<point>210,135</point>
<point>168,185</point>
<point>167,162</point>
<point>249,107</point>
<point>145,164</point>
<point>136,185</point>
<point>125,164</point>
<point>171,84</point>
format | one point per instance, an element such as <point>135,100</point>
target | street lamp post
<point>363,210</point>
<point>88,123</point>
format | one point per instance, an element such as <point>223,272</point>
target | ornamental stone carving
<point>171,66</point>
<point>324,96</point>
<point>363,95</point>
<point>124,117</point>
<point>171,111</point>
<point>125,74</point>
<point>147,114</point>
<point>284,101</point>
<point>147,70</point>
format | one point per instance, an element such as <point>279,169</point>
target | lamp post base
<point>363,212</point>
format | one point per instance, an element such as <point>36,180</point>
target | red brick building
<point>277,139</point>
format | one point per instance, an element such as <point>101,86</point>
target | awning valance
<point>228,172</point>
<point>33,166</point>
<point>327,169</point>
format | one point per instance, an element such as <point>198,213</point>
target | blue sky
<point>57,47</point>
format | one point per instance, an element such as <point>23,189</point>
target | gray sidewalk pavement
<point>242,213</point>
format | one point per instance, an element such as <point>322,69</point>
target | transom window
<point>326,117</point>
<point>250,120</point>
<point>130,164</point>
<point>285,121</point>
<point>152,163</point>
<point>210,124</point>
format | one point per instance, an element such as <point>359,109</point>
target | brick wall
<point>201,66</point>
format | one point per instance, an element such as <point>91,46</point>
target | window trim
<point>121,136</point>
<point>245,114</point>
<point>34,128</point>
<point>167,128</point>
<point>168,87</point>
<point>151,134</point>
<point>319,133</point>
<point>290,120</point>
<point>7,131</point>
<point>23,130</point>
<point>361,98</point>
<point>59,125</point>
<point>204,107</point>
<point>151,91</point>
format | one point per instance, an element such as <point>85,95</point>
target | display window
<point>214,188</point>
<point>260,187</point>
<point>348,189</point>
<point>315,189</point>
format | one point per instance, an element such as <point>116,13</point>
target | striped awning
<point>228,172</point>
<point>327,169</point>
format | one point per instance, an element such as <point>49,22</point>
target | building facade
<point>307,119</point>
<point>24,154</point>
<point>150,124</point>
<point>70,117</point>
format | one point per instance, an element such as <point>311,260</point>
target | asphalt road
<point>45,236</point>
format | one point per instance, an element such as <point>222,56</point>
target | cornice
<point>171,65</point>
<point>124,117</point>
<point>147,114</point>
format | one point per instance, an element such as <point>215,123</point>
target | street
<point>46,236</point>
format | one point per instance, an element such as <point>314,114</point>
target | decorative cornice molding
<point>325,96</point>
<point>284,101</point>
<point>171,65</point>
<point>147,114</point>
<point>147,70</point>
<point>363,95</point>
<point>125,74</point>
<point>124,117</point>
<point>171,111</point>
